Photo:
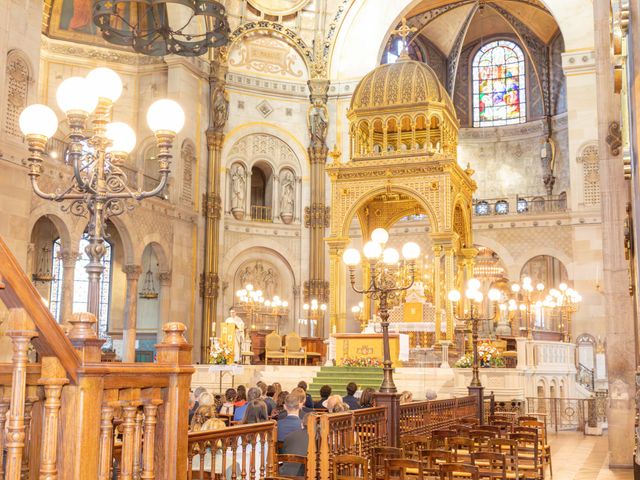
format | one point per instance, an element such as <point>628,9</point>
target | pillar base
<point>478,392</point>
<point>444,344</point>
<point>392,402</point>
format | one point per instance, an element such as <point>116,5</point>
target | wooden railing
<point>69,412</point>
<point>421,418</point>
<point>245,452</point>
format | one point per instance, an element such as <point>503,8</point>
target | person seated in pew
<point>269,400</point>
<point>325,393</point>
<point>302,398</point>
<point>349,398</point>
<point>296,443</point>
<point>227,407</point>
<point>291,422</point>
<point>253,394</point>
<point>308,402</point>
<point>366,399</point>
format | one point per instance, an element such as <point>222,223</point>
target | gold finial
<point>469,171</point>
<point>403,32</point>
<point>336,153</point>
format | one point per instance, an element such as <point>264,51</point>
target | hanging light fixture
<point>161,27</point>
<point>148,288</point>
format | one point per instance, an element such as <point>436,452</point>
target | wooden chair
<point>273,347</point>
<point>350,467</point>
<point>504,426</point>
<point>293,349</point>
<point>439,437</point>
<point>541,428</point>
<point>469,421</point>
<point>489,428</point>
<point>491,464</point>
<point>413,444</point>
<point>461,428</point>
<point>451,471</point>
<point>461,448</point>
<point>281,459</point>
<point>403,468</point>
<point>432,459</point>
<point>378,456</point>
<point>528,455</point>
<point>481,439</point>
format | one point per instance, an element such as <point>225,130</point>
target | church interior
<point>319,239</point>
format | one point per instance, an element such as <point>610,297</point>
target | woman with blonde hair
<point>406,397</point>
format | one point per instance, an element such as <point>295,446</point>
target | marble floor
<point>579,457</point>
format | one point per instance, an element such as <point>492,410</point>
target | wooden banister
<point>19,292</point>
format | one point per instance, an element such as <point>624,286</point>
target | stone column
<point>437,290</point>
<point>338,294</point>
<point>165,299</point>
<point>130,313</point>
<point>449,279</point>
<point>69,258</point>
<point>275,199</point>
<point>316,215</point>
<point>210,280</point>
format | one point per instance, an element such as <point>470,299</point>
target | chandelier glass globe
<point>75,94</point>
<point>105,83</point>
<point>165,115</point>
<point>38,119</point>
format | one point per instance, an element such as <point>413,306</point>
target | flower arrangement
<point>220,355</point>
<point>361,362</point>
<point>488,356</point>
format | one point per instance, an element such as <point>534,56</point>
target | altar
<point>353,346</point>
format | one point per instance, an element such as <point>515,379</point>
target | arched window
<point>498,85</point>
<point>81,283</point>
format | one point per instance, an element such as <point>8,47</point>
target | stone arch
<point>160,249</point>
<point>343,230</point>
<point>370,20</point>
<point>502,252</point>
<point>256,128</point>
<point>562,265</point>
<point>535,251</point>
<point>288,36</point>
<point>50,211</point>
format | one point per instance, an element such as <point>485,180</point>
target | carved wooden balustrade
<point>421,418</point>
<point>65,415</point>
<point>244,452</point>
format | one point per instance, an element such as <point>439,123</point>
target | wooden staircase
<point>71,416</point>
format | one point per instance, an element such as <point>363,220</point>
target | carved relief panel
<point>262,275</point>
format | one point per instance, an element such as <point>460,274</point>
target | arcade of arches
<point>497,135</point>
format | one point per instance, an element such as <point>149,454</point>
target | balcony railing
<point>261,213</point>
<point>520,205</point>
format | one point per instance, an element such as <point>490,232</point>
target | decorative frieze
<point>317,215</point>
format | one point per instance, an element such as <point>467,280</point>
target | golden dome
<point>405,82</point>
<point>402,109</point>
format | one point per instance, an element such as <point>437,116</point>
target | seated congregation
<point>264,432</point>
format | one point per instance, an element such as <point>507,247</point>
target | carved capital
<point>69,257</point>
<point>316,288</point>
<point>132,271</point>
<point>318,152</point>
<point>209,285</point>
<point>614,138</point>
<point>214,139</point>
<point>317,215</point>
<point>212,206</point>
<point>165,278</point>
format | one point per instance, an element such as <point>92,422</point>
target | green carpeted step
<point>339,377</point>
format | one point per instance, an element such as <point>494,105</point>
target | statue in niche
<point>318,122</point>
<point>238,191</point>
<point>287,199</point>
<point>220,105</point>
<point>270,283</point>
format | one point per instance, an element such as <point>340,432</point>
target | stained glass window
<point>81,284</point>
<point>499,85</point>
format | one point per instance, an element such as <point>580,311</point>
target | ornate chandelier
<point>161,27</point>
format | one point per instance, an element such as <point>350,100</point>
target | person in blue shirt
<point>292,422</point>
<point>254,393</point>
<point>349,398</point>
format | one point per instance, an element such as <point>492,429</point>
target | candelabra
<point>383,282</point>
<point>567,301</point>
<point>358,313</point>
<point>99,187</point>
<point>475,299</point>
<point>315,313</point>
<point>253,302</point>
<point>525,296</point>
